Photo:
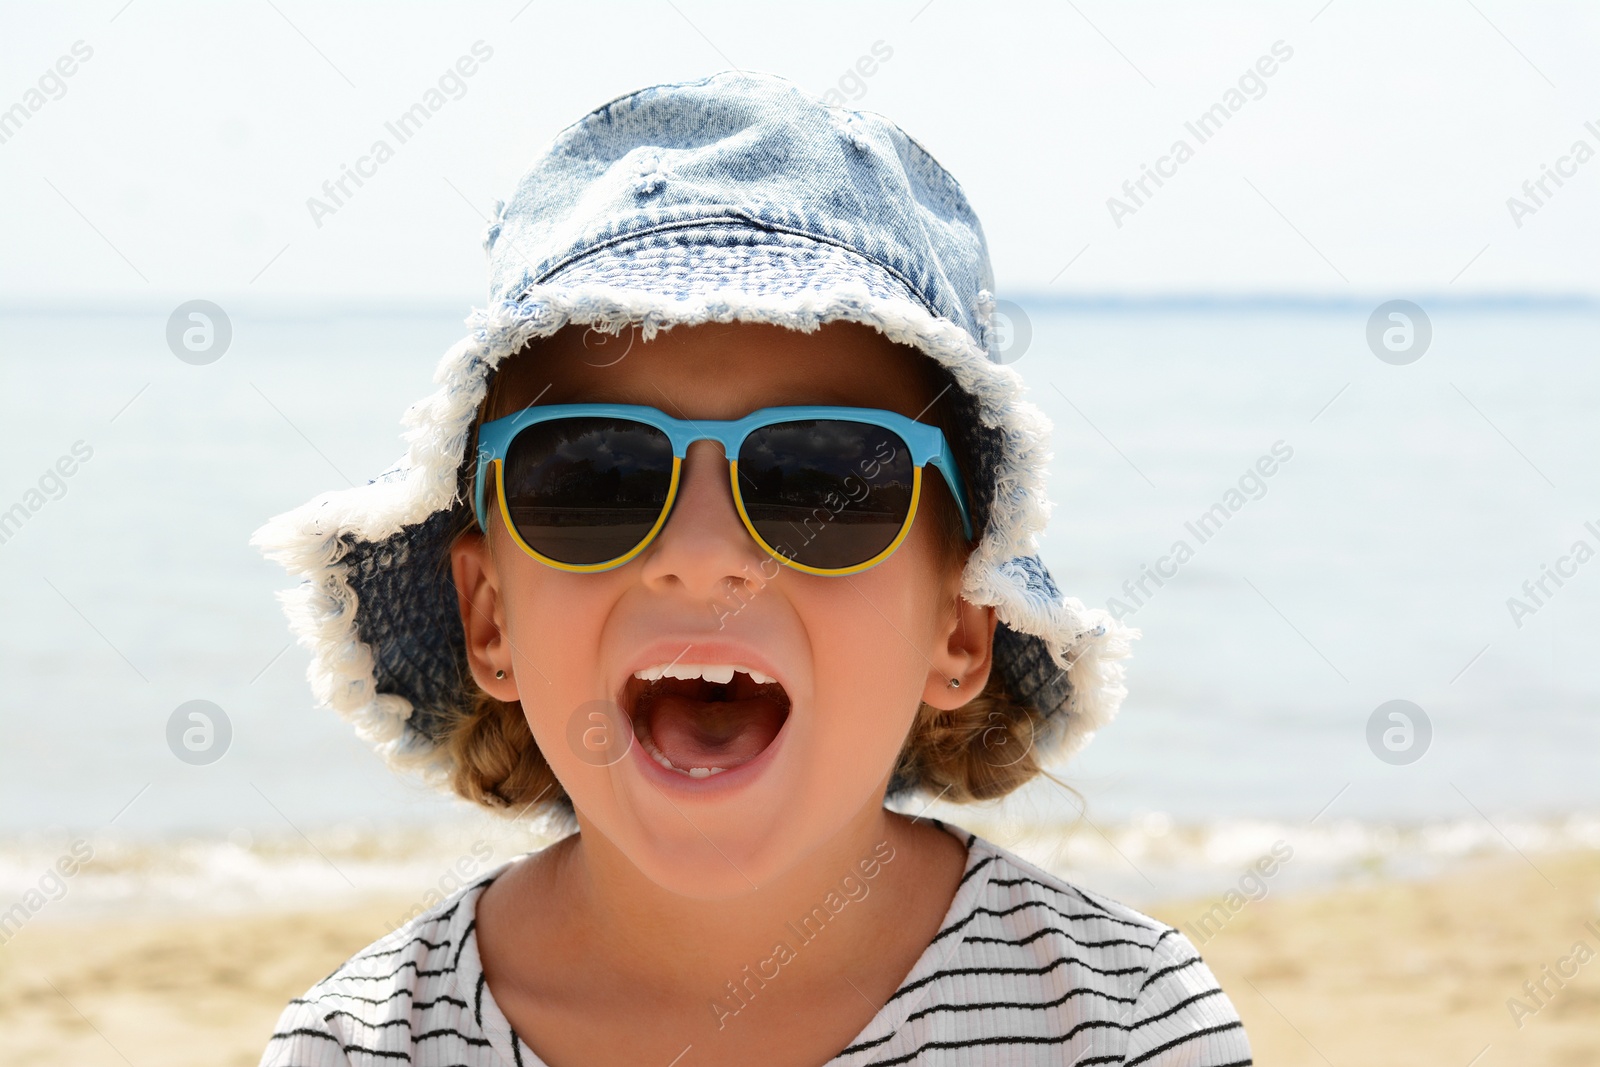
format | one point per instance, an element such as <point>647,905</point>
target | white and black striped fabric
<point>1026,969</point>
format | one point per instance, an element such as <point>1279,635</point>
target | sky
<point>1379,155</point>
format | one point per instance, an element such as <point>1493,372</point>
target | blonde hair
<point>981,750</point>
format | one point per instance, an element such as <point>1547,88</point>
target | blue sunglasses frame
<point>925,444</point>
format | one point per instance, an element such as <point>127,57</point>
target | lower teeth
<point>692,772</point>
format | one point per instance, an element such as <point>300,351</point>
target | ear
<point>965,655</point>
<point>482,615</point>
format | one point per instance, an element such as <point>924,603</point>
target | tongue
<point>713,733</point>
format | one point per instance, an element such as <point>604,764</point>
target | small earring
<point>954,683</point>
<point>499,674</point>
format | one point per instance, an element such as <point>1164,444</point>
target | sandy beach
<point>1417,973</point>
<point>1384,973</point>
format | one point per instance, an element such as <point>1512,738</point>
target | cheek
<point>873,634</point>
<point>867,696</point>
<point>553,623</point>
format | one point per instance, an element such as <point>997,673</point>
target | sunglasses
<point>826,490</point>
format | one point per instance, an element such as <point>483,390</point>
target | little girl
<point>719,530</point>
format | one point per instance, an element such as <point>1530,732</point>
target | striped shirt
<point>1025,969</point>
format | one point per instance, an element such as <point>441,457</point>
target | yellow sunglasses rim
<point>744,517</point>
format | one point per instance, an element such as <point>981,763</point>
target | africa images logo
<point>336,192</point>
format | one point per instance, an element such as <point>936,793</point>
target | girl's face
<point>852,656</point>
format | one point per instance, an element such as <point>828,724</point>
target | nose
<point>704,544</point>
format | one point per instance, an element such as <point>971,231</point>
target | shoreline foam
<point>1139,861</point>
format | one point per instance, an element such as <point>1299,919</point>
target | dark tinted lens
<point>587,490</point>
<point>825,492</point>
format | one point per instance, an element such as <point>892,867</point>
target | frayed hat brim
<point>375,607</point>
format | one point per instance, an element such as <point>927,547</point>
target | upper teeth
<point>721,673</point>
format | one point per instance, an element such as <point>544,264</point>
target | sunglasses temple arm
<point>485,470</point>
<point>946,462</point>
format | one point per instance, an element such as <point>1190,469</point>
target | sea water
<point>1402,547</point>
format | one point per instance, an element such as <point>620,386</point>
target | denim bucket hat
<point>739,198</point>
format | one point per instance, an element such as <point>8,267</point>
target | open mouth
<point>700,719</point>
